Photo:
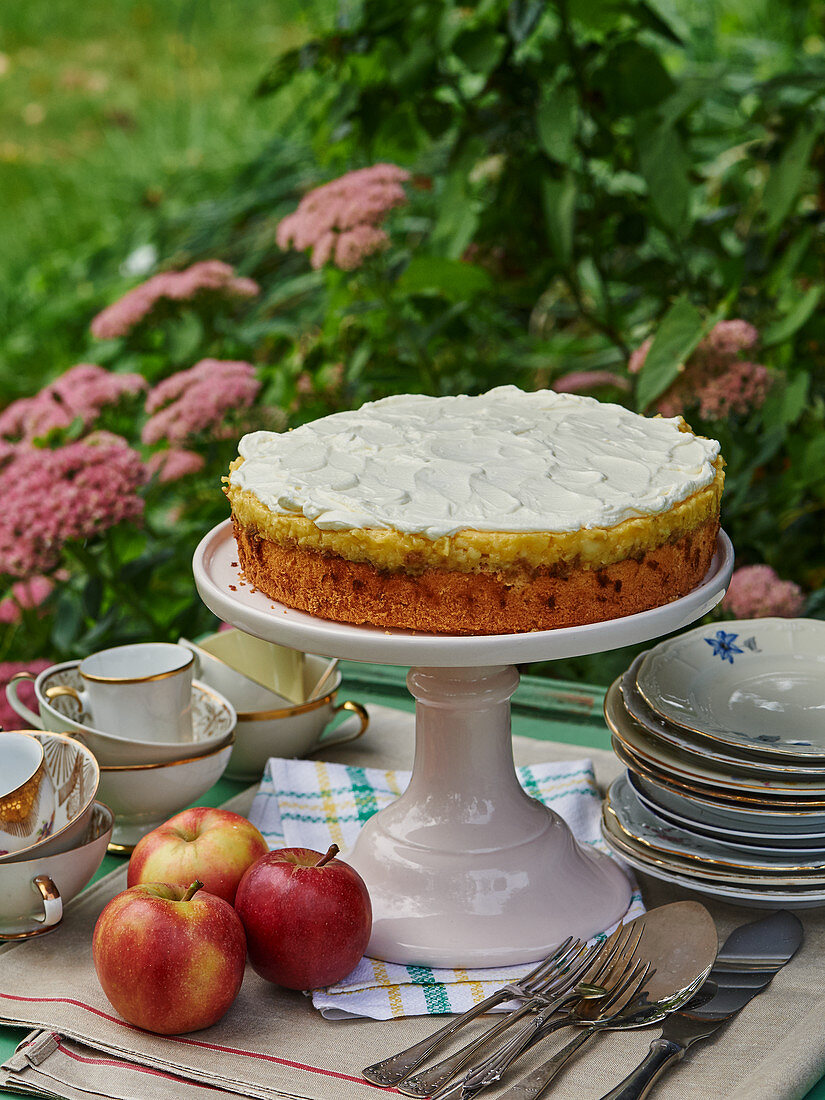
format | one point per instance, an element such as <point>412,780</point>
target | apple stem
<point>193,889</point>
<point>331,854</point>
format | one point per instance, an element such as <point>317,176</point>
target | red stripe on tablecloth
<point>132,1065</point>
<point>195,1042</point>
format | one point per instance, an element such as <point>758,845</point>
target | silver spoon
<point>678,941</point>
<point>682,959</point>
<point>427,1082</point>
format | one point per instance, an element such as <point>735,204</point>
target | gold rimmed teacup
<point>62,805</point>
<point>36,888</point>
<point>27,799</point>
<point>292,731</point>
<point>141,690</point>
<point>212,718</point>
<point>268,725</point>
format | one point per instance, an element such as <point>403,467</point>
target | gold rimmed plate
<point>754,831</point>
<point>644,827</point>
<point>746,758</point>
<point>728,799</point>
<point>708,872</point>
<point>750,683</point>
<point>694,768</point>
<point>757,897</point>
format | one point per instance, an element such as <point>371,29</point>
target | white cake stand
<point>464,869</point>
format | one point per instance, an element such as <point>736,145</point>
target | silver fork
<point>392,1070</point>
<point>623,987</point>
<point>589,970</point>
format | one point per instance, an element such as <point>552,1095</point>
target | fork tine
<point>627,988</point>
<point>562,982</point>
<point>604,962</point>
<point>552,960</point>
<point>548,970</point>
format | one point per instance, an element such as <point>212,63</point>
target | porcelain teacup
<point>27,796</point>
<point>36,889</point>
<point>141,691</point>
<point>60,812</point>
<point>292,731</point>
<point>269,725</point>
<point>241,691</point>
<point>21,755</point>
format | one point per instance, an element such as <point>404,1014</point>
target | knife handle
<point>662,1053</point>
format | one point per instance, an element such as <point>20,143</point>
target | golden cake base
<point>447,602</point>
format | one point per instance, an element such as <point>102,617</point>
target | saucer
<point>762,897</point>
<point>717,871</point>
<point>692,767</point>
<point>749,683</point>
<point>718,797</point>
<point>648,829</point>
<point>749,758</point>
<point>697,819</point>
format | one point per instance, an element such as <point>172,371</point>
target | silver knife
<point>752,954</point>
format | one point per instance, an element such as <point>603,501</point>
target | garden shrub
<point>460,196</point>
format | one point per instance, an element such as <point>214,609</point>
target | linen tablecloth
<point>273,1043</point>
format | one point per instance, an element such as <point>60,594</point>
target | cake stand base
<point>465,869</point>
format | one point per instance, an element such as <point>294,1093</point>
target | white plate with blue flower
<point>739,757</point>
<point>752,683</point>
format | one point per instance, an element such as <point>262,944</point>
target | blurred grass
<point>110,107</point>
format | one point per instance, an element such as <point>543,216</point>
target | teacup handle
<point>64,689</point>
<point>342,736</point>
<point>52,901</point>
<point>52,909</point>
<point>16,703</point>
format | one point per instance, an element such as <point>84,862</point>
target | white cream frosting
<point>504,461</point>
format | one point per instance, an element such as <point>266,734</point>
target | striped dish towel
<point>312,804</point>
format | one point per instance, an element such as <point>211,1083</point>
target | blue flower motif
<point>723,645</point>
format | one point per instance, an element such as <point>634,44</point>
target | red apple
<point>307,917</point>
<point>213,846</point>
<point>169,958</point>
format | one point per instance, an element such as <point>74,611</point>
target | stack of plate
<point>722,731</point>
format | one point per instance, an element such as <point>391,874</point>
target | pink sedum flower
<point>714,379</point>
<point>25,595</point>
<point>756,591</point>
<point>81,393</point>
<point>198,400</point>
<point>340,221</point>
<point>579,381</point>
<point>744,386</point>
<point>52,497</point>
<point>9,719</point>
<point>209,275</point>
<point>354,245</point>
<point>174,463</point>
<point>728,338</point>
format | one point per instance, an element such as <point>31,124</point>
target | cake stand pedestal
<point>464,868</point>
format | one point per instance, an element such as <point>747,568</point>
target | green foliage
<point>583,176</point>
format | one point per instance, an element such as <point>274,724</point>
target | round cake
<point>495,514</point>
